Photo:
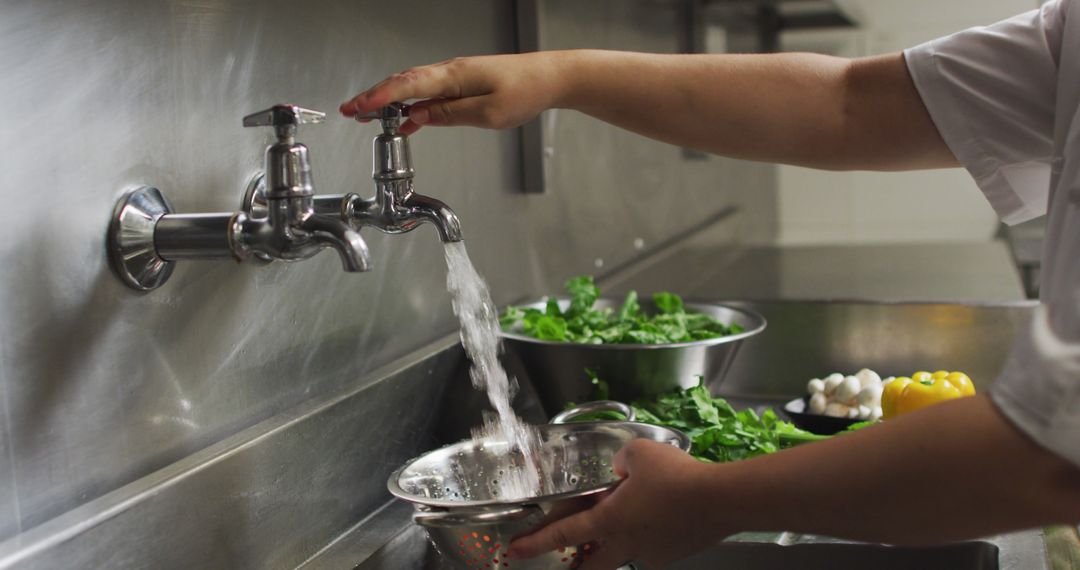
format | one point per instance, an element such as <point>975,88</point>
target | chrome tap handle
<point>394,110</point>
<point>283,115</point>
<point>390,116</point>
<point>288,170</point>
<point>284,118</point>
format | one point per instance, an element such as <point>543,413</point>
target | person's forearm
<point>805,109</point>
<point>949,472</point>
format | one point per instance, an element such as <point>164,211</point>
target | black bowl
<point>815,423</point>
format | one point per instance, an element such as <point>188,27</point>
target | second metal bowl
<point>557,369</point>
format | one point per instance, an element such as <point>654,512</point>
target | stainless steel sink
<point>404,545</point>
<point>833,556</point>
<point>410,549</point>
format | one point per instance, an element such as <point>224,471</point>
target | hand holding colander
<point>455,489</point>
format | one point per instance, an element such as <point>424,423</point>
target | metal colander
<point>469,511</point>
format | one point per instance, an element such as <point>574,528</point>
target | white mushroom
<point>848,390</point>
<point>864,412</point>
<point>868,377</point>
<point>818,403</point>
<point>836,410</point>
<point>853,413</point>
<point>875,414</point>
<point>832,382</point>
<point>870,396</point>
<point>815,386</point>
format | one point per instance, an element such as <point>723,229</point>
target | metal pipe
<point>194,236</point>
<point>332,205</point>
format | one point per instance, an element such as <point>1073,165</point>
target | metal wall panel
<point>9,501</point>
<point>103,385</point>
<point>272,495</point>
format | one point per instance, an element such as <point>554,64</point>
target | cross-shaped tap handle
<point>282,115</point>
<point>390,116</point>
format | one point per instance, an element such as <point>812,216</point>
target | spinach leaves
<point>718,433</point>
<point>582,323</point>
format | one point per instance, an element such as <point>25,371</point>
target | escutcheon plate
<point>131,239</point>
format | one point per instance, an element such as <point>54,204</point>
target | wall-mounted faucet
<point>146,238</point>
<point>395,208</point>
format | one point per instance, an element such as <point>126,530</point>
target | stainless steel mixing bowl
<point>557,369</point>
<point>456,489</point>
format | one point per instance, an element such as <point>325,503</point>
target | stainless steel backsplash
<point>100,386</point>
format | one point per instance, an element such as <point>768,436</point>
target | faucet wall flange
<point>132,254</point>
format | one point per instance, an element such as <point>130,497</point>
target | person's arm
<point>953,471</point>
<point>804,109</point>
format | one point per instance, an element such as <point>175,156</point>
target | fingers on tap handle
<point>416,83</point>
<point>408,127</point>
<point>445,98</point>
<point>371,100</point>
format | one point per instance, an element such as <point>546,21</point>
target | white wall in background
<point>816,207</point>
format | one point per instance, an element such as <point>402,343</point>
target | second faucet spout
<point>335,233</point>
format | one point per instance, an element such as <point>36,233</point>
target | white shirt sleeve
<point>1039,390</point>
<point>991,92</point>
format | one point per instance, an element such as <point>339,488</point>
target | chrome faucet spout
<point>396,209</point>
<point>438,213</point>
<point>333,232</point>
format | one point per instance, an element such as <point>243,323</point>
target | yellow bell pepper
<point>961,382</point>
<point>890,395</point>
<point>922,389</point>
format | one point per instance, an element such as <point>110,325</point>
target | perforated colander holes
<point>591,472</point>
<point>495,484</point>
<point>478,551</point>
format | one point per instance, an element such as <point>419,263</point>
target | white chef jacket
<point>1005,99</point>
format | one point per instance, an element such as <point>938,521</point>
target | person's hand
<point>659,513</point>
<point>498,91</point>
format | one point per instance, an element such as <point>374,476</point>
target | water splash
<point>480,337</point>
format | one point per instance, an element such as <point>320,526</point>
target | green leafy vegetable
<point>630,325</point>
<point>583,293</point>
<point>600,388</point>
<point>549,328</point>
<point>668,303</point>
<point>859,425</point>
<point>718,433</point>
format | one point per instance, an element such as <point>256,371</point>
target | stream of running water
<point>480,337</point>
